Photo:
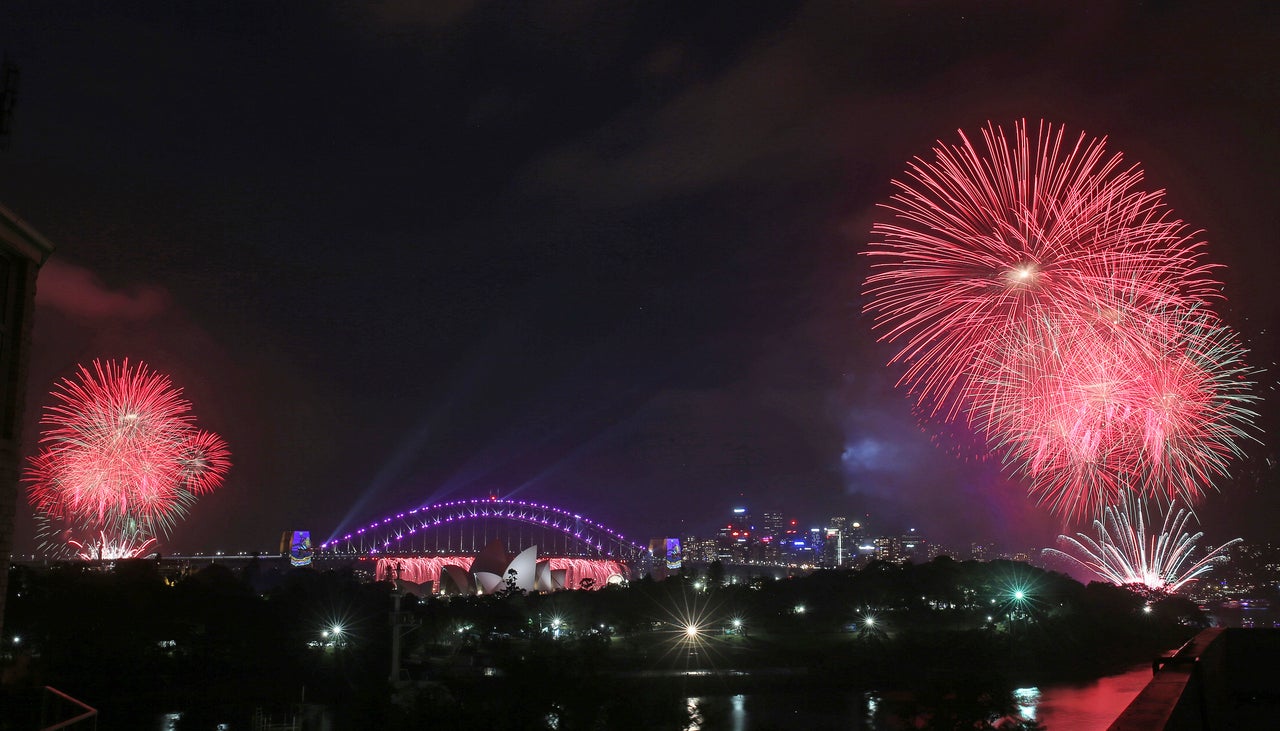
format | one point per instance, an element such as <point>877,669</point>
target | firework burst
<point>1019,233</point>
<point>121,458</point>
<point>1124,554</point>
<point>1086,417</point>
<point>1038,295</point>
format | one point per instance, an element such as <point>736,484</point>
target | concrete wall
<point>25,250</point>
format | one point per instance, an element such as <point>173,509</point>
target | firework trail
<point>1125,555</point>
<point>121,458</point>
<point>1036,293</point>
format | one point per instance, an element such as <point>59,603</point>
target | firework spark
<point>1123,553</point>
<point>1038,295</point>
<point>985,241</point>
<point>1087,417</point>
<point>110,549</point>
<point>121,459</point>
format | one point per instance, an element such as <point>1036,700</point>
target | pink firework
<point>1041,297</point>
<point>1087,417</point>
<point>1022,231</point>
<point>120,454</point>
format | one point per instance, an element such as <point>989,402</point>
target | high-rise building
<point>792,544</point>
<point>832,548</point>
<point>856,533</point>
<point>771,525</point>
<point>914,547</point>
<point>889,549</point>
<point>736,540</point>
<point>704,550</point>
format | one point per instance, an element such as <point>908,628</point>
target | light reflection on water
<point>1059,707</point>
<point>1094,704</point>
<point>737,715</point>
<point>1028,700</point>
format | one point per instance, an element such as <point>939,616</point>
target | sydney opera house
<point>493,570</point>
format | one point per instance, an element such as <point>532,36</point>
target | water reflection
<point>692,706</point>
<point>1027,699</point>
<point>698,720</point>
<point>1092,704</point>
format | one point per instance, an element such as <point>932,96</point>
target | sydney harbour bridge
<point>417,545</point>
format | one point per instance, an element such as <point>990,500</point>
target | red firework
<point>1041,296</point>
<point>1090,416</point>
<point>1024,231</point>
<point>120,453</point>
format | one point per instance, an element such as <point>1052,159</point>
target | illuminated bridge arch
<point>467,526</point>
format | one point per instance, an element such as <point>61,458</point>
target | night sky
<point>597,254</point>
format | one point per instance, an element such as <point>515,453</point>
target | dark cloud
<point>413,14</point>
<point>76,291</point>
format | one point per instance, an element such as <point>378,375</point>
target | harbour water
<point>1058,707</point>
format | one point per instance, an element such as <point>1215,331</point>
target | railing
<point>1221,679</point>
<point>54,703</point>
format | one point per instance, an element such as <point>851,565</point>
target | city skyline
<point>604,257</point>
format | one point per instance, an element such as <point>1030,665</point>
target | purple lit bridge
<point>418,543</point>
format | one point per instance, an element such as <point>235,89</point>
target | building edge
<point>23,250</point>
